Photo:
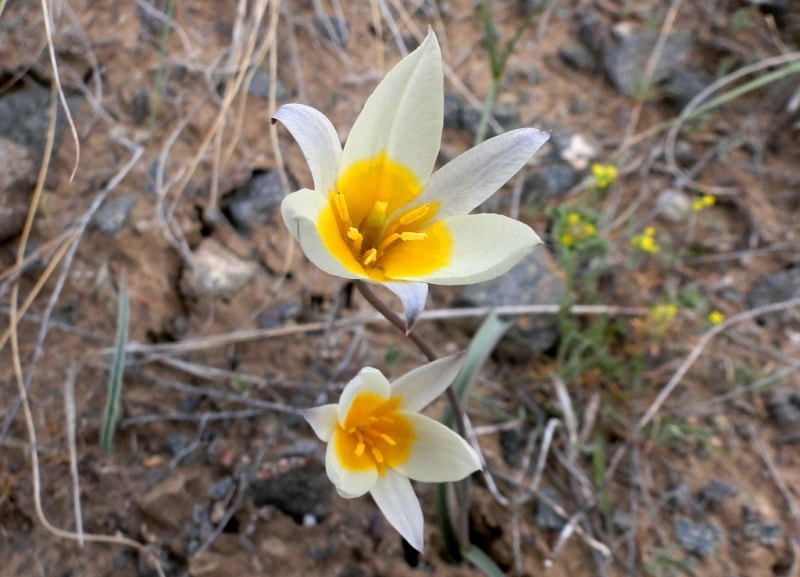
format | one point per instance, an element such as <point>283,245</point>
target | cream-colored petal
<point>438,454</point>
<point>422,385</point>
<point>323,420</point>
<point>484,247</point>
<point>403,116</point>
<point>318,140</point>
<point>368,380</point>
<point>413,296</point>
<point>349,484</point>
<point>474,176</point>
<point>395,497</point>
<point>300,211</point>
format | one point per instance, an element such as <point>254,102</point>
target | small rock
<point>260,86</point>
<point>783,405</point>
<point>673,205</point>
<point>546,516</point>
<point>113,216</point>
<point>333,29</point>
<point>626,63</point>
<point>298,487</point>
<point>578,56</point>
<point>453,112</point>
<point>534,281</point>
<point>698,538</point>
<point>24,119</point>
<point>715,492</point>
<point>217,272</point>
<point>773,288</point>
<point>504,111</point>
<point>140,107</point>
<point>511,443</point>
<point>575,149</point>
<point>548,182</point>
<point>755,529</point>
<point>221,488</point>
<point>681,86</point>
<point>17,178</point>
<point>253,203</point>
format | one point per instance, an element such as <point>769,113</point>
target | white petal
<point>300,211</point>
<point>404,115</point>
<point>474,176</point>
<point>438,454</point>
<point>323,420</point>
<point>396,499</point>
<point>368,380</point>
<point>349,484</point>
<point>413,296</point>
<point>484,247</point>
<point>422,385</point>
<point>318,140</point>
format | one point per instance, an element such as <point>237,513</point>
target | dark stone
<point>578,56</point>
<point>25,117</point>
<point>774,288</point>
<point>715,492</point>
<point>253,203</point>
<point>698,538</point>
<point>302,489</point>
<point>783,405</point>
<point>550,181</point>
<point>626,63</point>
<point>534,281</point>
<point>140,107</point>
<point>260,86</point>
<point>333,29</point>
<point>546,517</point>
<point>755,529</point>
<point>17,177</point>
<point>453,112</point>
<point>681,86</point>
<point>511,442</point>
<point>112,217</point>
<point>221,488</point>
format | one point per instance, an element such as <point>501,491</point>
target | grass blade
<point>116,373</point>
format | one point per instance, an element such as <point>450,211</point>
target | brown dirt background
<point>143,492</point>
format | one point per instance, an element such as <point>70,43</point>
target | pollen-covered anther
<point>370,257</point>
<point>414,214</point>
<point>341,208</point>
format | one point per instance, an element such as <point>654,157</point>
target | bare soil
<point>204,401</point>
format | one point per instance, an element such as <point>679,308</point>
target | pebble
<point>546,517</point>
<point>112,217</point>
<point>534,281</point>
<point>783,405</point>
<point>756,529</point>
<point>298,490</point>
<point>626,62</point>
<point>221,488</point>
<point>698,538</point>
<point>575,149</point>
<point>260,85</point>
<point>774,288</point>
<point>673,205</point>
<point>578,56</point>
<point>548,182</point>
<point>333,29</point>
<point>217,272</point>
<point>16,183</point>
<point>252,204</point>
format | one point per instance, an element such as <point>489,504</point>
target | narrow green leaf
<point>116,372</point>
<point>483,562</point>
<point>480,348</point>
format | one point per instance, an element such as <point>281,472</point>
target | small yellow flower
<point>378,442</point>
<point>663,314</point>
<point>379,213</point>
<point>704,201</point>
<point>604,175</point>
<point>645,241</point>
<point>577,229</point>
<point>715,317</point>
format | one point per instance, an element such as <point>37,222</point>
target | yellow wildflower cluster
<point>576,230</point>
<point>646,241</point>
<point>704,201</point>
<point>661,317</point>
<point>715,317</point>
<point>604,175</point>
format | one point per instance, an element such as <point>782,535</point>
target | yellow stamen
<point>413,235</point>
<point>355,235</point>
<point>370,257</point>
<point>378,455</point>
<point>388,439</point>
<point>414,214</point>
<point>341,208</point>
<point>360,449</point>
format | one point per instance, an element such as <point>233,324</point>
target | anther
<point>414,214</point>
<point>370,257</point>
<point>341,207</point>
<point>377,454</point>
<point>388,439</point>
<point>360,449</point>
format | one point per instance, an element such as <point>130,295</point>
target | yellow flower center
<point>369,228</point>
<point>374,435</point>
